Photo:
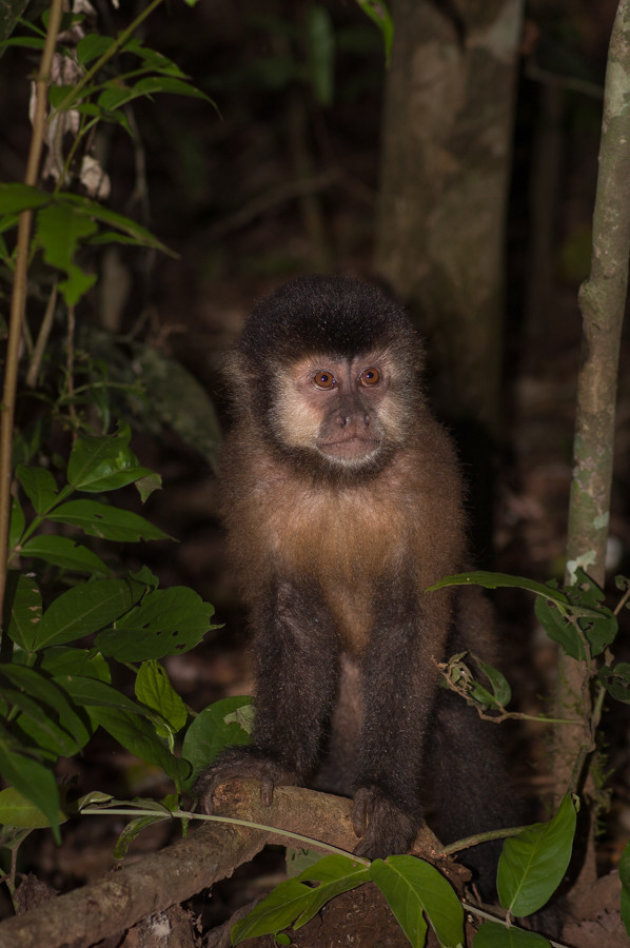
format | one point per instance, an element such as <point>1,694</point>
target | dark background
<point>220,189</point>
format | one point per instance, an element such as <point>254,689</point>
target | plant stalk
<point>602,302</point>
<point>18,296</point>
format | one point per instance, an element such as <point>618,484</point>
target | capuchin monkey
<point>343,502</point>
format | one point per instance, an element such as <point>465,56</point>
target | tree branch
<point>208,854</point>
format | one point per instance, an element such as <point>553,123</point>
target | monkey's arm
<point>296,679</point>
<point>400,690</point>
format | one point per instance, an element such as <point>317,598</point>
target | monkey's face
<point>342,411</point>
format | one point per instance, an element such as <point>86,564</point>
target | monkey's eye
<point>370,377</point>
<point>324,379</point>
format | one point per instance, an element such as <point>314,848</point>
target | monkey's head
<point>328,367</point>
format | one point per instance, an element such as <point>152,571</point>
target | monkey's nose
<point>345,419</point>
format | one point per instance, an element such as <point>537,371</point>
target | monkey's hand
<point>238,763</point>
<point>384,828</point>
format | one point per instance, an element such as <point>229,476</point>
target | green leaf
<point>99,464</point>
<point>68,732</point>
<point>152,59</point>
<point>379,14</point>
<point>624,875</point>
<point>76,285</point>
<point>413,887</point>
<point>146,577</point>
<point>98,212</point>
<point>293,903</point>
<point>616,681</point>
<point>179,400</point>
<point>17,523</point>
<point>17,810</point>
<point>297,860</point>
<point>336,874</point>
<point>133,829</point>
<point>493,935</point>
<point>8,222</point>
<point>24,602</point>
<point>166,622</point>
<point>559,627</point>
<point>115,95</point>
<point>138,736</point>
<point>66,96</point>
<point>154,689</point>
<point>60,660</point>
<point>85,609</point>
<point>214,729</point>
<point>31,779</point>
<point>28,441</point>
<point>600,632</point>
<point>27,42</point>
<point>147,485</point>
<point>175,86</point>
<point>491,580</point>
<point>532,864</point>
<point>277,911</point>
<point>39,486</point>
<point>49,738</point>
<point>19,197</point>
<point>60,229</point>
<point>110,523</point>
<point>64,552</point>
<point>93,46</point>
<point>91,693</point>
<point>501,691</point>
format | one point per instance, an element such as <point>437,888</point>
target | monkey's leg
<point>296,670</point>
<point>400,681</point>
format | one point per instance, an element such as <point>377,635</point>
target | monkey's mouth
<point>349,449</point>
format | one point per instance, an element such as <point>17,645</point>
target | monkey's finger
<point>267,786</point>
<point>362,810</point>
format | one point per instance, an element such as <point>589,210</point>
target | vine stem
<point>214,818</point>
<point>18,296</point>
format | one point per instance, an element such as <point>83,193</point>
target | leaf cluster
<point>109,72</point>
<point>531,867</point>
<point>576,618</point>
<point>56,661</point>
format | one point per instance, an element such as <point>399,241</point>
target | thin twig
<point>72,412</point>
<point>18,298</point>
<point>42,339</point>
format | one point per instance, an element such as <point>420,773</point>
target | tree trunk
<point>445,169</point>
<point>602,303</point>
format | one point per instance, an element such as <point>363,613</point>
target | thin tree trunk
<point>602,303</point>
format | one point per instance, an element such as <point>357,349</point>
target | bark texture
<point>602,303</point>
<point>445,169</point>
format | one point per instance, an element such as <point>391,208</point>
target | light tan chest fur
<point>351,540</point>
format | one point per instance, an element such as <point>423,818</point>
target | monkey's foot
<point>384,828</point>
<point>242,763</point>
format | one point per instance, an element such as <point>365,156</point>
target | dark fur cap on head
<point>321,314</point>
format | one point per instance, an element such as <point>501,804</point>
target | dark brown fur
<point>334,557</point>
